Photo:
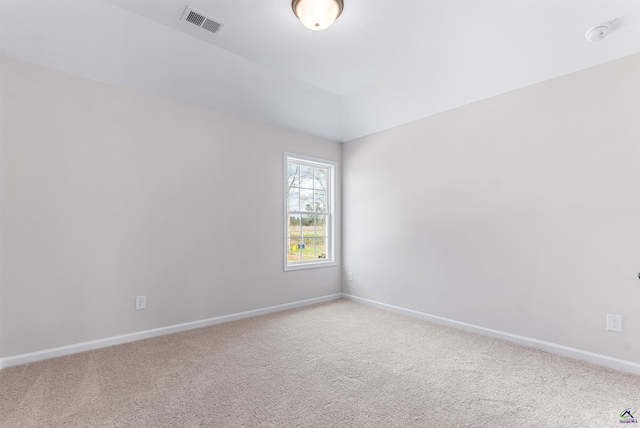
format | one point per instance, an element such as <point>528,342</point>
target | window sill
<point>312,265</point>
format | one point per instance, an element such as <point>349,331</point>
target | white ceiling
<point>383,63</point>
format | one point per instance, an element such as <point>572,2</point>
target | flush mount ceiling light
<point>600,31</point>
<point>317,14</point>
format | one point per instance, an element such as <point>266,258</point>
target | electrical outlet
<point>614,323</point>
<point>141,302</point>
<point>350,276</point>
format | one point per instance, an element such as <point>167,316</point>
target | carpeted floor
<point>337,364</point>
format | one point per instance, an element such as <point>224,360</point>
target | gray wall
<point>520,213</point>
<point>108,193</point>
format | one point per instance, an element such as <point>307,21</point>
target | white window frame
<point>330,260</point>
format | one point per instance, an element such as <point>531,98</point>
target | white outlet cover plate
<point>614,323</point>
<point>141,302</point>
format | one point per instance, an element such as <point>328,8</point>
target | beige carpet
<point>338,364</point>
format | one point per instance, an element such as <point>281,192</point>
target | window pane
<point>306,200</point>
<point>306,177</point>
<point>321,248</point>
<point>308,225</point>
<point>294,225</point>
<point>294,199</point>
<point>294,249</point>
<point>320,199</point>
<point>308,249</point>
<point>321,226</point>
<point>293,172</point>
<point>320,179</point>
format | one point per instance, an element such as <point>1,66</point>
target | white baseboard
<point>599,359</point>
<point>131,337</point>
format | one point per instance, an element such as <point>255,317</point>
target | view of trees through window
<point>308,211</point>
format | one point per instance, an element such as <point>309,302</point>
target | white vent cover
<point>201,20</point>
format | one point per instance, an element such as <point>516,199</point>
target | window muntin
<point>309,212</point>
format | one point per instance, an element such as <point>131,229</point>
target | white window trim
<point>331,247</point>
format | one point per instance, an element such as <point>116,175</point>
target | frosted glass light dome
<point>317,14</point>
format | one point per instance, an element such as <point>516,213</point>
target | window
<point>309,216</point>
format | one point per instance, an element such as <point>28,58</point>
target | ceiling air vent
<point>201,20</point>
